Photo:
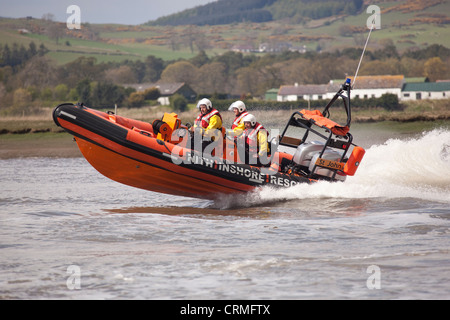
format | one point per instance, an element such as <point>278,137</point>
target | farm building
<point>167,90</point>
<point>375,86</point>
<point>367,87</point>
<point>426,90</point>
<point>299,92</point>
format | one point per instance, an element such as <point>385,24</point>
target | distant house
<point>302,92</point>
<point>274,46</point>
<point>301,49</point>
<point>167,90</point>
<point>426,90</point>
<point>367,87</point>
<point>375,86</point>
<point>244,48</point>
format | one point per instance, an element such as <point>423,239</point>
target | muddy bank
<point>43,144</point>
<point>402,118</point>
<point>30,130</point>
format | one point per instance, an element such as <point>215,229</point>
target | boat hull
<point>114,147</point>
<point>144,175</point>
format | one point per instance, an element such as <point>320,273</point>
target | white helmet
<point>250,118</point>
<point>206,102</point>
<point>238,105</point>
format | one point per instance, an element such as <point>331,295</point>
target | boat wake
<point>413,168</point>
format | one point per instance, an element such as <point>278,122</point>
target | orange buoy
<point>354,161</point>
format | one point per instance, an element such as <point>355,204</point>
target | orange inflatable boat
<point>162,156</point>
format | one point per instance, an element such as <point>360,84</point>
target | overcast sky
<point>98,11</point>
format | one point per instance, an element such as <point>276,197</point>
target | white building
<point>426,90</point>
<point>302,92</point>
<point>364,88</point>
<point>367,87</point>
<point>375,86</point>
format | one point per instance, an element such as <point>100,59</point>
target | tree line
<point>18,55</point>
<point>30,80</point>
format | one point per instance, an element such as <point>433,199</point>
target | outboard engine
<point>306,155</point>
<point>306,151</point>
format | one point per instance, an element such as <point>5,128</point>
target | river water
<point>67,232</point>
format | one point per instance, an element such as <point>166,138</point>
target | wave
<point>399,168</point>
<point>424,161</point>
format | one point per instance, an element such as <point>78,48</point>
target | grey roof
<point>378,82</point>
<point>166,89</point>
<point>305,89</point>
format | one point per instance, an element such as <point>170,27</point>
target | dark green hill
<point>220,12</point>
<point>234,11</point>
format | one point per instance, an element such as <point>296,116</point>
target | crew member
<point>240,111</point>
<point>208,123</point>
<point>255,137</point>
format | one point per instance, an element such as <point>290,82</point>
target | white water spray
<point>414,168</point>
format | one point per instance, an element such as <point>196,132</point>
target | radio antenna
<point>364,50</point>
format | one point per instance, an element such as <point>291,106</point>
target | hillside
<point>409,24</point>
<point>235,11</point>
<point>220,12</point>
<point>43,63</point>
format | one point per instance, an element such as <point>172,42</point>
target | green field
<point>117,43</point>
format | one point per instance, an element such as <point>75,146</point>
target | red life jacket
<point>251,137</point>
<point>203,119</point>
<point>238,119</point>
